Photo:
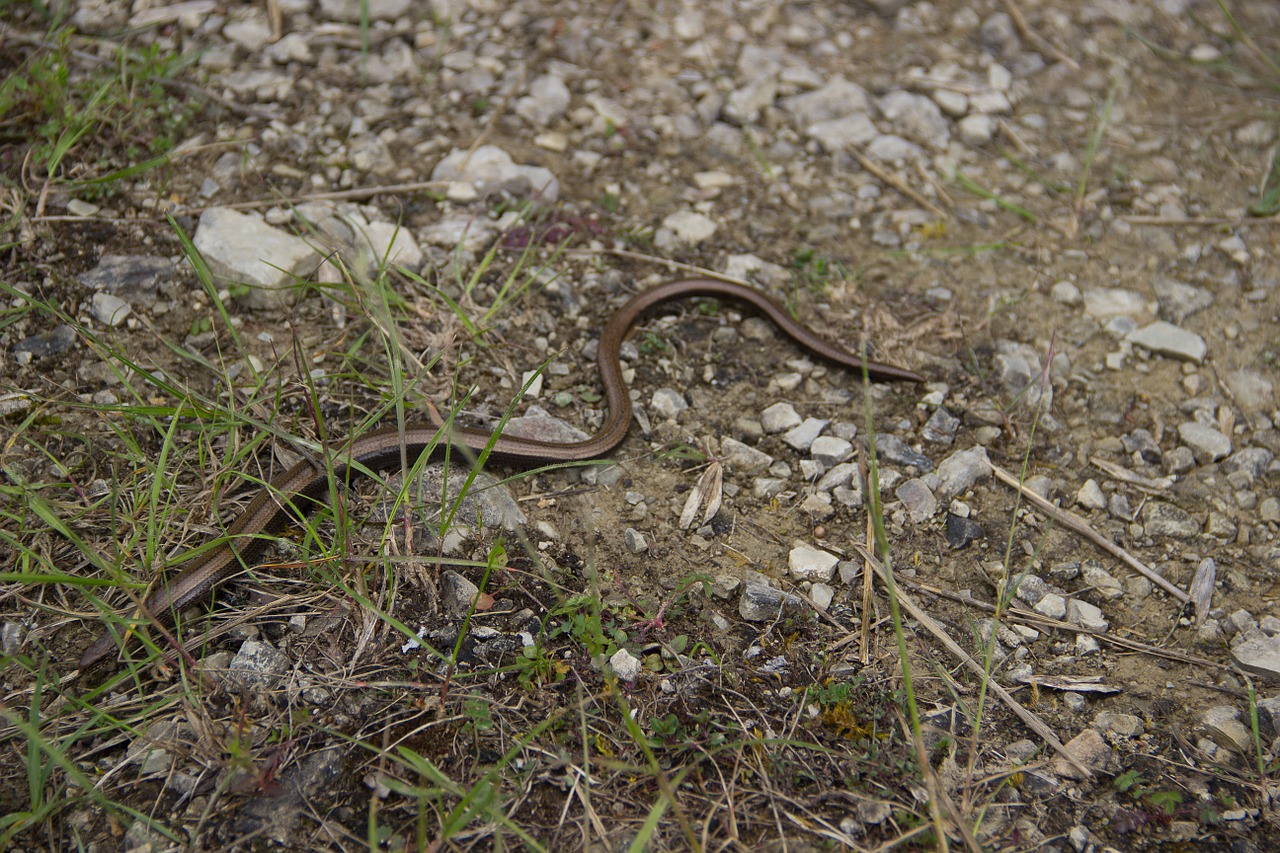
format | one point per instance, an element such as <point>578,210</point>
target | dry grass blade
<point>707,495</point>
<point>901,186</point>
<point>1033,722</point>
<point>1077,524</point>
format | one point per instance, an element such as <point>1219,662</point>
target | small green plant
<point>88,115</point>
<point>817,271</point>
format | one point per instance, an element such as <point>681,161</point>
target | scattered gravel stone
<point>57,340</point>
<point>743,457</point>
<point>941,427</point>
<point>668,403</point>
<point>242,249</point>
<point>1260,656</point>
<point>836,99</point>
<point>690,228</point>
<point>108,309</point>
<point>1206,443</point>
<point>813,564</point>
<point>918,501</point>
<point>625,665</point>
<point>547,100</point>
<point>762,603</point>
<point>829,450</point>
<point>961,531</point>
<point>1168,339</point>
<point>916,117</point>
<point>1052,605</point>
<point>1089,749</point>
<point>895,451</point>
<point>1179,300</point>
<point>1090,495</point>
<point>960,471</point>
<point>258,665</point>
<point>801,437</point>
<point>779,417</point>
<point>457,594</point>
<point>851,131</point>
<point>1223,724</point>
<point>1103,582</point>
<point>1086,615</point>
<point>635,541</point>
<point>1164,519</point>
<point>489,169</point>
<point>1253,391</point>
<point>1252,461</point>
<point>131,276</point>
<point>1105,303</point>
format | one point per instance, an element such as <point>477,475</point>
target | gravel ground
<point>1060,214</point>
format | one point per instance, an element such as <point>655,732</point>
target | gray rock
<point>1223,724</point>
<point>1206,443</point>
<point>812,564</point>
<point>688,227</point>
<point>976,130</point>
<point>1089,749</point>
<point>916,117</point>
<point>258,665</point>
<point>352,11</point>
<point>941,427</point>
<point>547,100</point>
<point>1102,581</point>
<point>1252,390</point>
<point>457,594</point>
<point>889,148</point>
<point>625,665</point>
<point>801,437</point>
<point>837,476</point>
<point>1124,725</point>
<point>743,457</point>
<point>1260,656</point>
<point>1179,300</point>
<point>841,134</point>
<point>489,169</point>
<point>1168,339</point>
<point>1164,519</point>
<point>1052,605</point>
<point>762,603</point>
<point>57,340</point>
<point>835,100</point>
<point>917,499</point>
<point>895,451</point>
<point>1090,495</point>
<point>109,309</point>
<point>241,249</point>
<point>1252,461</point>
<point>1105,303</point>
<point>779,417</point>
<point>829,450</point>
<point>960,471</point>
<point>634,541</point>
<point>667,403</point>
<point>130,276</point>
<point>1086,615</point>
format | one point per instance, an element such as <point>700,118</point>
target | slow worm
<point>381,450</point>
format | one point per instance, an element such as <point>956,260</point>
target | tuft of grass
<point>91,115</point>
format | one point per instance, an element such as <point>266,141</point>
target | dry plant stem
<point>868,588</point>
<point>1077,524</point>
<point>336,195</point>
<point>901,186</point>
<point>1032,36</point>
<point>1033,722</point>
<point>1201,221</point>
<point>1036,620</point>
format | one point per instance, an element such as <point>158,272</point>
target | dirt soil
<point>1120,171</point>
